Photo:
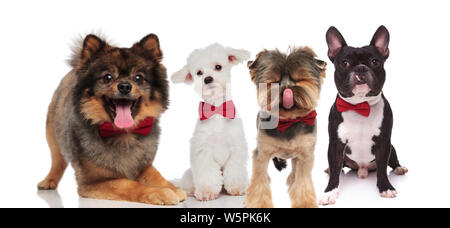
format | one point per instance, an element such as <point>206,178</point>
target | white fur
<point>219,152</point>
<point>329,198</point>
<point>357,131</point>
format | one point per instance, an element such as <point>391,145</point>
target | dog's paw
<point>329,198</point>
<point>363,173</point>
<point>401,170</point>
<point>182,196</point>
<point>206,195</point>
<point>48,184</point>
<point>389,194</point>
<point>237,191</point>
<point>162,196</point>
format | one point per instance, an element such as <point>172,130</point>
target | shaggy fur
<point>301,72</point>
<point>119,167</point>
<point>219,151</point>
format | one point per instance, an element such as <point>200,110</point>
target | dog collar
<point>144,127</point>
<point>309,119</point>
<point>361,108</point>
<point>227,110</point>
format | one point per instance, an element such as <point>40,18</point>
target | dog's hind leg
<point>187,183</point>
<point>395,164</point>
<point>152,178</point>
<point>59,163</point>
<point>301,190</point>
<point>259,194</point>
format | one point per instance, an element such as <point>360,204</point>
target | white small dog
<point>219,151</point>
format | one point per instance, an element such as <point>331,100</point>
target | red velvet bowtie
<point>283,125</point>
<point>144,127</point>
<point>361,108</point>
<point>206,110</point>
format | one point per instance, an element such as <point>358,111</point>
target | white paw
<point>206,195</point>
<point>389,194</point>
<point>329,197</point>
<point>363,173</point>
<point>400,170</point>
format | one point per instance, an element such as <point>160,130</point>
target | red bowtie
<point>206,110</point>
<point>361,108</point>
<point>144,127</point>
<point>283,125</point>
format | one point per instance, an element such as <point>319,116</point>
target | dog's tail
<point>279,163</point>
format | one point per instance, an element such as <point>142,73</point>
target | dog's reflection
<point>52,198</point>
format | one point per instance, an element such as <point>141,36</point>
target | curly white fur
<point>219,152</point>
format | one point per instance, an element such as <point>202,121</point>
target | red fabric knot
<point>227,110</point>
<point>144,127</point>
<point>361,108</point>
<point>309,119</point>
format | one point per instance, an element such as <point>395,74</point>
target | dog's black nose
<point>124,88</point>
<point>209,79</point>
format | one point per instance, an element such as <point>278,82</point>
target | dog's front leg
<point>382,150</point>
<point>301,190</point>
<point>259,194</point>
<point>207,175</point>
<point>152,178</point>
<point>335,163</point>
<point>235,173</point>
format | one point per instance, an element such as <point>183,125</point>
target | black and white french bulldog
<point>360,121</point>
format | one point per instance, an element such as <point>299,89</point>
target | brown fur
<point>119,167</point>
<point>305,77</point>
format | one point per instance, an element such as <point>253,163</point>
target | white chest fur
<point>357,131</point>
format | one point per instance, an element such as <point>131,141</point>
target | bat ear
<point>149,46</point>
<point>236,56</point>
<point>182,75</point>
<point>335,42</point>
<point>381,41</point>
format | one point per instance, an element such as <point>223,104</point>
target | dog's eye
<point>375,62</point>
<point>199,73</point>
<point>138,78</point>
<point>345,63</point>
<point>218,67</point>
<point>107,78</point>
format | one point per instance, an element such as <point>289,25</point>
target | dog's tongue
<point>123,116</point>
<point>288,98</point>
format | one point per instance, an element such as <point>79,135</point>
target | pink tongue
<point>123,116</point>
<point>288,98</point>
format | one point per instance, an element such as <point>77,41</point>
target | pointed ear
<point>381,41</point>
<point>236,56</point>
<point>92,47</point>
<point>335,42</point>
<point>149,45</point>
<point>253,65</point>
<point>182,75</point>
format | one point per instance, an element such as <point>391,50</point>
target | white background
<point>35,42</point>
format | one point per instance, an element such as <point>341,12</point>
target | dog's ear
<point>92,47</point>
<point>322,65</point>
<point>236,56</point>
<point>335,42</point>
<point>182,75</point>
<point>381,41</point>
<point>253,65</point>
<point>149,47</point>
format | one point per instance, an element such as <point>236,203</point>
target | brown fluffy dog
<point>288,89</point>
<point>122,87</point>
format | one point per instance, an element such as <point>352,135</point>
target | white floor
<point>354,192</point>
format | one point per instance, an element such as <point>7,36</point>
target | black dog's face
<point>359,72</point>
<point>120,85</point>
